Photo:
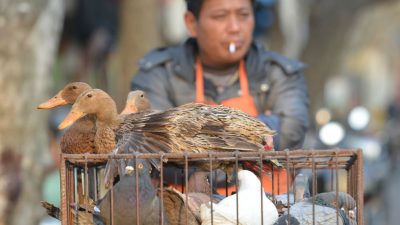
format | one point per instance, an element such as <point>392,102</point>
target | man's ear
<point>191,23</point>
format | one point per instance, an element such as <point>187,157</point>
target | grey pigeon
<point>125,200</point>
<point>325,210</point>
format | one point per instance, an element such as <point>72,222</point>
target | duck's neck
<point>106,123</point>
<point>108,116</point>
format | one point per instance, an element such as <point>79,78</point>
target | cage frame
<point>305,159</point>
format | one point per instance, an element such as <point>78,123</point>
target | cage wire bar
<point>347,160</point>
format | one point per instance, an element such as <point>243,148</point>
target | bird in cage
<point>175,204</point>
<point>325,205</point>
<point>192,127</point>
<point>250,199</point>
<point>133,193</point>
<point>127,200</point>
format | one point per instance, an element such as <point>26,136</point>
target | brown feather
<point>192,127</point>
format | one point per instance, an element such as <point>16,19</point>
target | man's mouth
<point>232,48</point>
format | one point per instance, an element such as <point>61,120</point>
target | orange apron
<point>245,103</point>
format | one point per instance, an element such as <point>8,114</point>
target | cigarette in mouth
<point>232,48</point>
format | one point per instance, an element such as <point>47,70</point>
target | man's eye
<point>244,14</point>
<point>219,16</point>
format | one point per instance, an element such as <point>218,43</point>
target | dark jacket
<point>277,84</point>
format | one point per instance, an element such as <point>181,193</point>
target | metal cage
<point>343,166</point>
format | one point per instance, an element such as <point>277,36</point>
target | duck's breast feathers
<point>79,138</point>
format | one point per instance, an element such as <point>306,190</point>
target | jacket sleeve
<point>156,85</point>
<point>289,101</point>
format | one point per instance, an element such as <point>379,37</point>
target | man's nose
<point>233,24</point>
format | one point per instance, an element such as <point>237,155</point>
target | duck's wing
<point>192,127</point>
<point>189,128</point>
<point>138,133</point>
<point>131,143</point>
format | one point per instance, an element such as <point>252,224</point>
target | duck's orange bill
<point>129,109</point>
<point>55,101</point>
<point>72,116</point>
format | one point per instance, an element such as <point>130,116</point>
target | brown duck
<point>137,101</point>
<point>192,127</point>
<point>79,138</point>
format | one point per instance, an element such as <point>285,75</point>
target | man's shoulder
<point>288,66</point>
<point>154,58</point>
<point>161,56</point>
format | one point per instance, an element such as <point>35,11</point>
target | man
<point>221,64</point>
<point>276,84</point>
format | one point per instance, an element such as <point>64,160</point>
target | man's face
<point>220,23</point>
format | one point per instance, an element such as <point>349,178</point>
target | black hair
<point>194,6</point>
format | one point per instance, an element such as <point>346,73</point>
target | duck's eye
<point>74,87</point>
<point>89,95</point>
<point>141,95</point>
<point>140,166</point>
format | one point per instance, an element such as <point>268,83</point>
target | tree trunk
<point>29,36</point>
<point>139,33</point>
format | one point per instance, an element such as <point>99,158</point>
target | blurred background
<point>352,49</point>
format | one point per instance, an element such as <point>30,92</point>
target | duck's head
<point>94,101</point>
<point>67,95</point>
<point>137,101</point>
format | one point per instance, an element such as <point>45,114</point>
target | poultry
<point>248,201</point>
<point>125,201</point>
<point>79,138</point>
<point>323,211</point>
<point>192,127</point>
<point>125,198</point>
<point>137,101</point>
<point>175,204</point>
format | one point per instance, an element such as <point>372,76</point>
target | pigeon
<point>125,201</point>
<point>249,195</point>
<point>175,204</point>
<point>325,210</point>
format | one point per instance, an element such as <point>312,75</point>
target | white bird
<point>224,213</point>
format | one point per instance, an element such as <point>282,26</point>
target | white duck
<point>249,205</point>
